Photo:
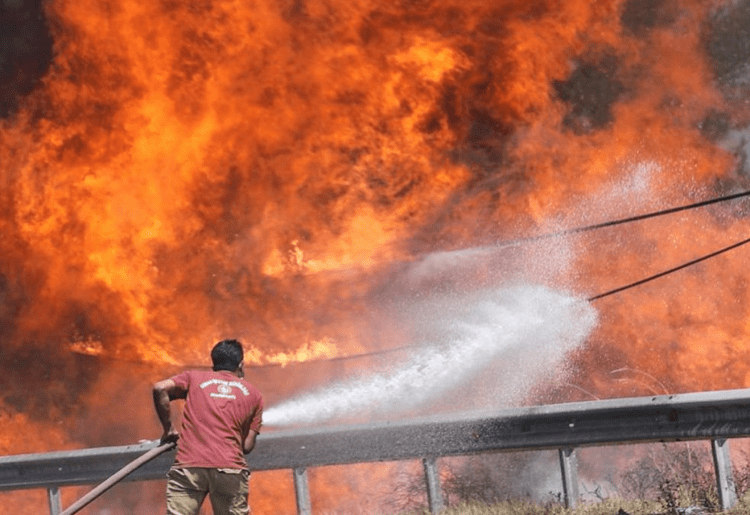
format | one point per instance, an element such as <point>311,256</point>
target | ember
<point>290,173</point>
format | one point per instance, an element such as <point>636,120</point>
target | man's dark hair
<point>227,355</point>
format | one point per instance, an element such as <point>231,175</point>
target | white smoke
<point>520,334</point>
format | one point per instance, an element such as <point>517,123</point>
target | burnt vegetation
<point>678,476</point>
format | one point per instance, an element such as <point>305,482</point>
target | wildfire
<point>177,172</point>
<point>315,350</point>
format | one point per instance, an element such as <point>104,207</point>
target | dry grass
<point>606,507</point>
<point>667,480</point>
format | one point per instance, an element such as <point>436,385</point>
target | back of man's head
<point>227,355</point>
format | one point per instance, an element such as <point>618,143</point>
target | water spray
<point>524,331</point>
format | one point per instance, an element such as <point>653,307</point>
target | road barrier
<point>715,416</point>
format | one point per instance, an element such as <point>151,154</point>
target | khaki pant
<point>187,488</point>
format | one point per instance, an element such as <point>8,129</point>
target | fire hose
<point>117,476</point>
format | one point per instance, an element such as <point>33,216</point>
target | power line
<point>667,272</point>
<point>630,219</point>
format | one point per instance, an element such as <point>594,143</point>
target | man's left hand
<point>170,436</point>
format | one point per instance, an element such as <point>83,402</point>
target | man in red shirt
<point>221,418</point>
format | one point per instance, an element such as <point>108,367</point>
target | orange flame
<point>178,172</point>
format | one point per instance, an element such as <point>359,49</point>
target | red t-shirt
<point>220,410</point>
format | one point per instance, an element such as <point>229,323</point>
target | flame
<point>315,350</point>
<point>289,173</point>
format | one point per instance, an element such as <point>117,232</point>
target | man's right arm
<point>249,442</point>
<point>164,392</point>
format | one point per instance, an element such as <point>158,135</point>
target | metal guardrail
<point>715,416</point>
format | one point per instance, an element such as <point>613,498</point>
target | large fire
<point>178,172</point>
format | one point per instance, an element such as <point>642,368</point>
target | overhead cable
<point>667,272</point>
<point>630,219</point>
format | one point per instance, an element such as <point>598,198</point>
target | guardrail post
<point>432,477</point>
<point>302,491</point>
<point>724,478</point>
<point>569,469</point>
<point>55,503</point>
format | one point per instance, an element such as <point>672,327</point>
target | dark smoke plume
<point>25,50</point>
